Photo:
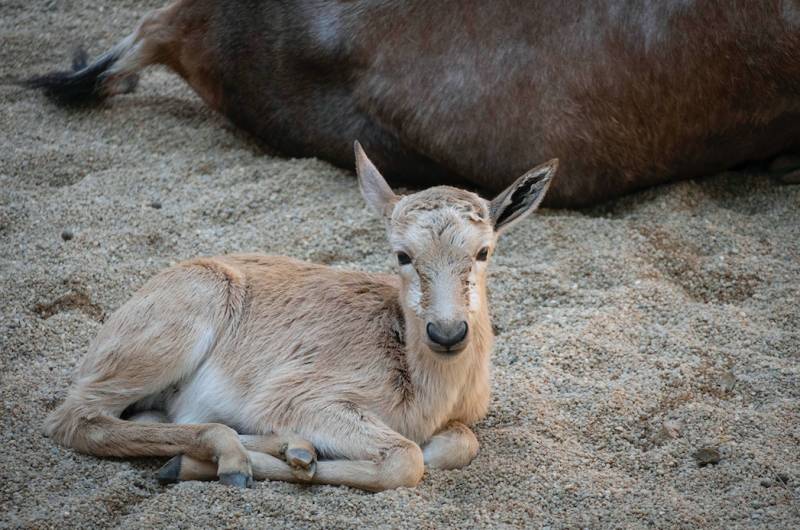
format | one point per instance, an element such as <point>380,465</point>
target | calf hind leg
<point>104,435</point>
<point>149,344</point>
<point>295,451</point>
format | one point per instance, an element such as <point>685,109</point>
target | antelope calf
<point>249,366</point>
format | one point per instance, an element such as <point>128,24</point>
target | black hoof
<point>237,480</point>
<point>169,472</point>
<point>785,164</point>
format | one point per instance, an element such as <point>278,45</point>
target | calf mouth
<point>448,351</point>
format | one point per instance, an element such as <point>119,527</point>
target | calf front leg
<point>295,451</point>
<point>298,453</point>
<point>453,447</point>
<point>402,466</point>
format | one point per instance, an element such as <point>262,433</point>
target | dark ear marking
<point>522,197</point>
<point>519,198</point>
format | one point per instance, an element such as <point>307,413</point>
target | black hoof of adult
<point>785,163</point>
<point>792,177</point>
<point>169,472</point>
<point>237,480</point>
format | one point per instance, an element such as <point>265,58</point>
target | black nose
<point>447,334</point>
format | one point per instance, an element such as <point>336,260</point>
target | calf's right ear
<point>376,192</point>
<point>523,197</point>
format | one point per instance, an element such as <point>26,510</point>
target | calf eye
<point>483,254</point>
<point>403,258</point>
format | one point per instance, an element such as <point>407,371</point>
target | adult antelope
<point>377,373</point>
<point>627,94</point>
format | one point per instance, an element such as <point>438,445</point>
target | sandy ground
<point>631,335</point>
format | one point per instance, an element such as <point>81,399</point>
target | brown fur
<point>627,94</point>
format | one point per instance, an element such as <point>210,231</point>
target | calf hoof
<point>302,461</point>
<point>237,480</point>
<point>171,471</point>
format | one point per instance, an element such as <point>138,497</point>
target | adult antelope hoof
<point>792,177</point>
<point>237,480</point>
<point>303,461</point>
<point>786,169</point>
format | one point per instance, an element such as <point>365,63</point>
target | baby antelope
<point>249,367</point>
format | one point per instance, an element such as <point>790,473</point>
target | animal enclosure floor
<point>631,336</point>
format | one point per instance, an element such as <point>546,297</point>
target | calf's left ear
<point>376,192</point>
<point>523,197</point>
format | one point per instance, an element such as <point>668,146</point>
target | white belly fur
<point>207,398</point>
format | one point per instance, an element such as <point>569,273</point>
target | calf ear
<point>522,197</point>
<point>376,192</point>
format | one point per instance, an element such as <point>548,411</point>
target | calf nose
<point>447,334</point>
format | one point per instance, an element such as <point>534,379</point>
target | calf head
<point>443,238</point>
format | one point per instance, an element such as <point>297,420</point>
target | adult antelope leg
<point>786,168</point>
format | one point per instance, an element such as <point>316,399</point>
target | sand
<point>631,335</point>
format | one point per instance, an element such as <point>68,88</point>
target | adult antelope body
<point>627,94</point>
<point>379,374</point>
